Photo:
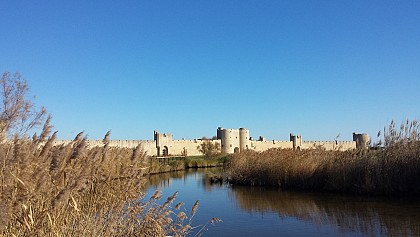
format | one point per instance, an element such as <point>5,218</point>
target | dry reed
<point>74,190</point>
<point>394,169</point>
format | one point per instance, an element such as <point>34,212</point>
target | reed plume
<point>392,170</point>
<point>70,190</point>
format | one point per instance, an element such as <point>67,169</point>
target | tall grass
<point>392,170</point>
<point>72,190</point>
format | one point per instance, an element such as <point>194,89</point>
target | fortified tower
<point>362,140</point>
<point>297,141</point>
<point>243,139</point>
<point>163,143</point>
<point>230,141</point>
<point>233,140</point>
<point>219,133</point>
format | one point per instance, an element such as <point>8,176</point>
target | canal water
<point>255,211</point>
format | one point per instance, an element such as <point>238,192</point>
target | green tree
<point>209,148</point>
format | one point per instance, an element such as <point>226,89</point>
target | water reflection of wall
<point>371,217</point>
<point>359,215</point>
<point>164,180</point>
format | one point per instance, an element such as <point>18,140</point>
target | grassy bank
<point>71,190</point>
<point>393,170</point>
<point>203,162</point>
<point>154,167</point>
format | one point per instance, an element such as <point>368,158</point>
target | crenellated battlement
<point>331,141</point>
<point>188,141</point>
<point>272,141</point>
<point>229,140</point>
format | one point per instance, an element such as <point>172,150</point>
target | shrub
<point>209,149</point>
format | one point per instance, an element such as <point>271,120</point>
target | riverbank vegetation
<point>70,190</point>
<point>168,164</point>
<point>204,161</point>
<point>390,170</point>
<point>209,149</point>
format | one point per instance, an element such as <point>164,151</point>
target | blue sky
<point>315,68</point>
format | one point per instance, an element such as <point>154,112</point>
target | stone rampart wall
<point>229,140</point>
<point>149,146</point>
<point>265,145</point>
<point>175,147</point>
<point>329,145</point>
<point>190,147</point>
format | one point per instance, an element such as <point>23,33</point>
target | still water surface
<point>254,211</point>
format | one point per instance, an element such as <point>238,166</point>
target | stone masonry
<point>230,140</point>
